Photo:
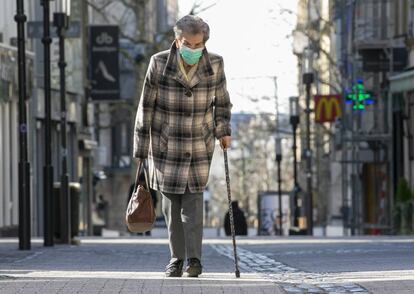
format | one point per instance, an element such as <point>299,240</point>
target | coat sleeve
<point>222,111</point>
<point>145,112</point>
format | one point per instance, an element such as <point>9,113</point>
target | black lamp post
<point>61,22</point>
<point>278,145</point>
<point>307,81</point>
<point>24,165</point>
<point>294,121</point>
<point>48,168</point>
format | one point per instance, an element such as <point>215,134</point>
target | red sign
<point>327,108</point>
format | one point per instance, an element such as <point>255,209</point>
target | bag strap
<point>140,167</point>
<point>146,176</point>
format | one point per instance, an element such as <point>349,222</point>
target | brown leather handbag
<point>140,213</point>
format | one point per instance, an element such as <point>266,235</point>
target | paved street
<point>268,265</point>
<point>128,265</point>
<point>378,264</point>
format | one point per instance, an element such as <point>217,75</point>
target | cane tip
<point>237,274</point>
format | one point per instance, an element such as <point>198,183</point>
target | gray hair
<point>192,24</point>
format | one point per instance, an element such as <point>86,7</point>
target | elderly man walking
<point>183,107</point>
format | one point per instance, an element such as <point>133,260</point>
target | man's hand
<point>225,142</point>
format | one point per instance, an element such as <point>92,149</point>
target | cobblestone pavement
<point>379,264</point>
<point>291,280</point>
<point>127,265</point>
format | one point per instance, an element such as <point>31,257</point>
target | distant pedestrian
<point>183,106</point>
<point>240,224</point>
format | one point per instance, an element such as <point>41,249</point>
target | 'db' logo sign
<point>104,62</point>
<point>104,39</point>
<point>327,108</point>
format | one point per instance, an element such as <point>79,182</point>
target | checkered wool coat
<point>177,122</point>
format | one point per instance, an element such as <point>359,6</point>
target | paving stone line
<point>290,279</point>
<point>333,251</point>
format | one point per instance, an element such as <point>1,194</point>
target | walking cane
<point>226,165</point>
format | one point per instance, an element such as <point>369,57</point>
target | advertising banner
<point>268,209</point>
<point>104,62</point>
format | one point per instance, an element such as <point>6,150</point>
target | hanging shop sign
<point>359,97</point>
<point>327,108</point>
<point>104,62</point>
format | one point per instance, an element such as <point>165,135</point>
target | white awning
<point>402,82</point>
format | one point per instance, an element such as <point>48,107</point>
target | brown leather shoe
<point>194,268</point>
<point>174,269</point>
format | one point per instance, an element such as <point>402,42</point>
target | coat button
<point>188,93</point>
<point>187,154</point>
<point>188,113</point>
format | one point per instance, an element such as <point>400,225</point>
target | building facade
<point>35,115</point>
<point>377,53</point>
<point>367,47</point>
<point>99,134</point>
<point>9,145</point>
<point>401,120</point>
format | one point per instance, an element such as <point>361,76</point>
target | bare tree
<point>314,32</point>
<point>252,161</point>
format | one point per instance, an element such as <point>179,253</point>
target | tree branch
<point>131,5</point>
<point>197,9</point>
<point>324,82</point>
<point>101,11</point>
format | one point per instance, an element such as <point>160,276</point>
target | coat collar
<point>172,70</point>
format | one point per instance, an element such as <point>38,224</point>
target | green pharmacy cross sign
<point>359,98</point>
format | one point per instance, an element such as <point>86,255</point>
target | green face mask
<point>191,56</point>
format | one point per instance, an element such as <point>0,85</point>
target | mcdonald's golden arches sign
<point>327,108</point>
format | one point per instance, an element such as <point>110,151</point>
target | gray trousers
<point>184,217</point>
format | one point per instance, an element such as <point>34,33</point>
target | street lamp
<point>24,165</point>
<point>61,22</point>
<point>278,145</point>
<point>308,79</point>
<point>48,168</point>
<point>294,121</point>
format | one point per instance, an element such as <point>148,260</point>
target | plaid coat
<point>177,121</point>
